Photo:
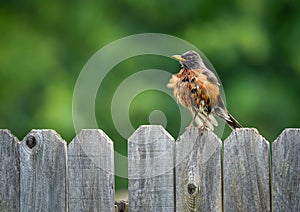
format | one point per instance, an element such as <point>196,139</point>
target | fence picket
<point>91,172</point>
<point>246,172</point>
<point>198,171</point>
<point>150,170</point>
<point>9,172</point>
<point>286,171</point>
<point>43,172</point>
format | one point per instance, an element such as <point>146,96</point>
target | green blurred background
<point>253,45</point>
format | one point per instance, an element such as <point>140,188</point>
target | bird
<point>198,89</point>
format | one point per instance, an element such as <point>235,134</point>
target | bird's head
<point>190,59</point>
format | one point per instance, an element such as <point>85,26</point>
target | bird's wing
<point>221,110</point>
<point>203,94</point>
<point>194,91</point>
<point>210,76</point>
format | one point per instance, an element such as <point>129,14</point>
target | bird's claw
<point>202,127</point>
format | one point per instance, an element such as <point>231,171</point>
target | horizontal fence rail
<point>193,173</point>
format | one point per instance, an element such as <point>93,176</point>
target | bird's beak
<point>179,58</point>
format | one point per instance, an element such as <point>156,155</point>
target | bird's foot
<point>202,127</point>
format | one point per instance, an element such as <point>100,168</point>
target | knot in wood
<point>31,141</point>
<point>192,188</point>
<point>121,206</point>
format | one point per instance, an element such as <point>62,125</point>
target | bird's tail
<point>222,112</point>
<point>232,122</point>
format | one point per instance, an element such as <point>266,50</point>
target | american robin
<point>197,88</point>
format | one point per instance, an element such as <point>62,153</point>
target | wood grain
<point>150,170</point>
<point>246,172</point>
<point>91,172</point>
<point>39,174</point>
<point>286,171</point>
<point>43,172</point>
<point>198,171</point>
<point>9,172</point>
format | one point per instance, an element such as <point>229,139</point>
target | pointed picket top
<point>150,170</point>
<point>95,144</point>
<point>184,144</point>
<point>286,171</point>
<point>43,171</point>
<point>246,171</point>
<point>151,144</point>
<point>9,171</point>
<point>147,130</point>
<point>37,139</point>
<point>7,136</point>
<point>91,172</point>
<point>198,171</point>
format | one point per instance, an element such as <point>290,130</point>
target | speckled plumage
<point>197,88</point>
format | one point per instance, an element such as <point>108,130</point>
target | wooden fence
<point>195,173</point>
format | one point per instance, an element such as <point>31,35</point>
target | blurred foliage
<point>253,45</point>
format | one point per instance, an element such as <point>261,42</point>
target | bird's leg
<point>192,123</point>
<point>204,123</point>
<point>203,126</point>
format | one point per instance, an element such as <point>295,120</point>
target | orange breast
<point>193,89</point>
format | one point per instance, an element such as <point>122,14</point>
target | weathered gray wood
<point>198,171</point>
<point>34,171</point>
<point>150,170</point>
<point>43,172</point>
<point>286,171</point>
<point>9,172</point>
<point>91,172</point>
<point>246,171</point>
